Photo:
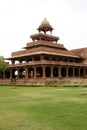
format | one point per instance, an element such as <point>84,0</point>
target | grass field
<point>43,108</point>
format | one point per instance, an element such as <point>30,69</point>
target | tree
<point>3,64</point>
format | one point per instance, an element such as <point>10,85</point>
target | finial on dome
<point>45,26</point>
<point>45,23</point>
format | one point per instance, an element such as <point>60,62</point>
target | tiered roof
<point>44,27</point>
<point>43,44</point>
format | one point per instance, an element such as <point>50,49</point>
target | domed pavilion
<point>44,59</point>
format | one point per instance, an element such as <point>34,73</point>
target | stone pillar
<point>10,73</point>
<point>20,61</point>
<point>51,71</point>
<point>78,72</point>
<point>42,57</point>
<point>33,59</point>
<point>59,72</point>
<point>17,72</point>
<point>44,75</point>
<point>84,72</point>
<point>34,71</point>
<point>13,61</point>
<point>26,72</point>
<point>73,72</point>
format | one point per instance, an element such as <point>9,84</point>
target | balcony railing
<point>46,62</point>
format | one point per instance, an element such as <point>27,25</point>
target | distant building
<point>44,58</point>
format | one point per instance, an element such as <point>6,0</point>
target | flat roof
<point>43,52</point>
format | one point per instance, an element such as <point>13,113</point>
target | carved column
<point>44,75</point>
<point>78,72</point>
<point>13,61</point>
<point>42,57</point>
<point>20,61</point>
<point>18,73</point>
<point>51,71</point>
<point>26,72</point>
<point>10,73</point>
<point>34,71</point>
<point>59,74</point>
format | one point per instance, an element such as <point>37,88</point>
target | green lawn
<point>43,108</point>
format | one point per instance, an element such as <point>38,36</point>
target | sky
<point>21,18</point>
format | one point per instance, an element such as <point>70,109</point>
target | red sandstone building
<point>44,59</point>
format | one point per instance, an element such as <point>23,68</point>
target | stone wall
<point>47,81</point>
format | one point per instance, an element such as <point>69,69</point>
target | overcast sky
<point>20,18</point>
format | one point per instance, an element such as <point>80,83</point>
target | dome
<point>45,26</point>
<point>45,23</point>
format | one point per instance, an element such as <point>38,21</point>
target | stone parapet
<point>45,62</point>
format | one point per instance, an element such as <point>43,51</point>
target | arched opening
<point>1,75</point>
<point>71,60</point>
<point>55,72</point>
<point>7,74</point>
<point>63,72</point>
<point>76,72</point>
<point>21,73</point>
<point>30,72</point>
<point>39,72</point>
<point>46,58</point>
<point>37,58</point>
<point>81,72</point>
<point>70,72</point>
<point>29,59</point>
<point>48,71</point>
<point>65,60</point>
<point>14,75</point>
<point>54,58</point>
